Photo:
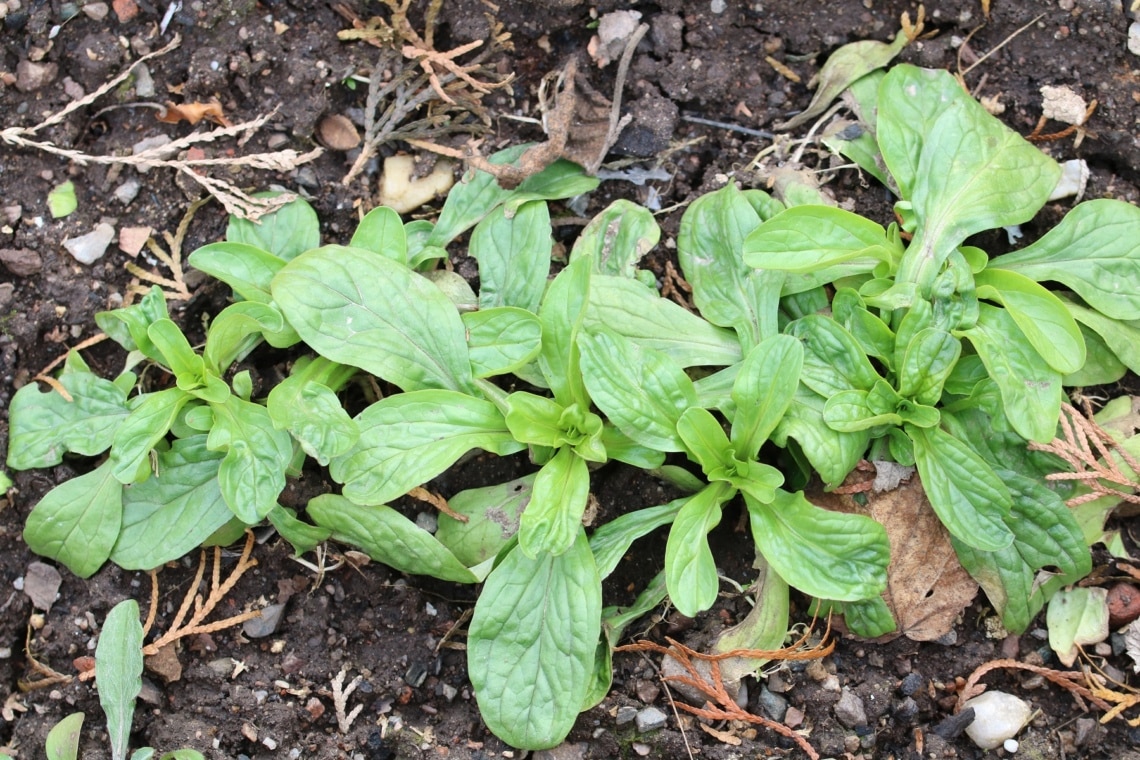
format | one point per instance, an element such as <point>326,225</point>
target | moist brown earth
<point>273,697</point>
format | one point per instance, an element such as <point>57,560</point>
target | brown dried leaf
<point>926,585</point>
<point>193,113</point>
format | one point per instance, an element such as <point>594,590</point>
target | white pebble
<point>89,248</point>
<point>997,716</point>
<point>1010,745</point>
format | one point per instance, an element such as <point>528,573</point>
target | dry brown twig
<point>581,125</point>
<point>446,89</point>
<point>1089,450</point>
<point>719,705</point>
<point>235,200</point>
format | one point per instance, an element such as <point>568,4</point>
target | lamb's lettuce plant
<point>946,358</point>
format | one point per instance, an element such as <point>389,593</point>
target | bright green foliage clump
<point>822,339</point>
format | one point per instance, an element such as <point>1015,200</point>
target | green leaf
<point>869,618</point>
<point>1045,535</point>
<point>387,536</point>
<point>312,413</point>
<point>618,237</point>
<point>175,510</point>
<point>553,517</point>
<point>833,360</point>
<point>806,239</point>
<point>535,420</point>
<point>252,473</point>
<point>822,553</point>
<point>1102,366</point>
<point>562,179</point>
<point>1076,617</point>
<point>246,268</point>
<point>704,439</point>
<point>690,570</point>
<point>364,310</point>
<point>531,644</point>
<point>239,329</point>
<point>640,314</point>
<point>928,359</point>
<point>1042,316</point>
<point>150,419</point>
<point>562,312</point>
<point>514,256</point>
<point>45,426</point>
<point>492,514</point>
<point>764,390</point>
<point>728,292</point>
<point>614,622</point>
<point>501,339</point>
<point>969,499</point>
<point>382,231</point>
<point>62,741</point>
<point>639,389</point>
<point>832,454</point>
<point>77,522</point>
<point>128,326</point>
<point>972,172</point>
<point>119,665</point>
<point>301,535</point>
<point>409,438</point>
<point>611,541</point>
<point>844,67</point>
<point>1122,338</point>
<point>1095,250</point>
<point>850,412</point>
<point>61,200</point>
<point>288,231</point>
<point>1030,388</point>
<point>472,199</point>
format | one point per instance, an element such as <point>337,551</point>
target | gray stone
<point>912,683</point>
<point>266,625</point>
<point>774,706</point>
<point>21,261</point>
<point>128,191</point>
<point>849,709</point>
<point>626,714</point>
<point>32,76</point>
<point>564,751</point>
<point>650,719</point>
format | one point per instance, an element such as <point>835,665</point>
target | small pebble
<point>89,248</point>
<point>1134,38</point>
<point>32,76</point>
<point>912,683</point>
<point>96,11</point>
<point>144,83</point>
<point>849,710</point>
<point>626,714</point>
<point>21,262</point>
<point>128,191</point>
<point>266,624</point>
<point>773,705</point>
<point>1010,745</point>
<point>997,716</point>
<point>650,719</point>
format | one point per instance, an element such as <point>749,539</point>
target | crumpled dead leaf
<point>193,113</point>
<point>926,585</point>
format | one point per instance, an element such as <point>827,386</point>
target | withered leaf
<point>194,113</point>
<point>926,585</point>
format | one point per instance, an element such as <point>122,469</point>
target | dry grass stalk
<point>202,609</point>
<point>1091,453</point>
<point>720,706</point>
<point>174,287</point>
<point>235,200</point>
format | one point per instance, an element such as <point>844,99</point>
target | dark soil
<point>271,697</point>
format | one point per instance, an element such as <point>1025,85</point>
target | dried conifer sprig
<point>180,627</point>
<point>1090,451</point>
